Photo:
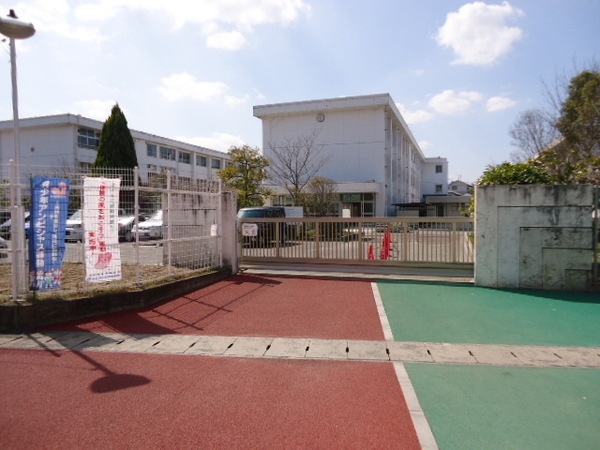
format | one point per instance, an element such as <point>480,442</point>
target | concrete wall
<point>194,215</point>
<point>534,237</point>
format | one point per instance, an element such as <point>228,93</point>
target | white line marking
<point>385,325</point>
<point>422,428</point>
<point>424,433</point>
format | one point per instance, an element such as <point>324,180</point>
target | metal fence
<point>167,229</point>
<point>419,241</point>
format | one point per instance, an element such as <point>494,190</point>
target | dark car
<point>266,232</point>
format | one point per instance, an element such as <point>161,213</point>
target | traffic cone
<point>371,252</point>
<point>386,245</point>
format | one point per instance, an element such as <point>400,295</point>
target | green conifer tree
<point>116,149</point>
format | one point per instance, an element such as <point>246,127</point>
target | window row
<point>88,138</point>
<point>170,154</point>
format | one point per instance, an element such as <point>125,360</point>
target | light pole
<point>14,29</point>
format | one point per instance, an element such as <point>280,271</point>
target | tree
<point>565,139</point>
<point>320,196</point>
<point>532,132</point>
<point>514,173</point>
<point>295,162</point>
<point>245,174</point>
<point>575,159</point>
<point>116,148</point>
<point>117,151</point>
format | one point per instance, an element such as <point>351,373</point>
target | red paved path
<point>249,305</point>
<point>62,400</point>
<point>65,400</point>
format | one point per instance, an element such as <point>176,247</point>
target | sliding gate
<point>407,242</point>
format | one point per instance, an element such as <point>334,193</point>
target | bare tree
<point>294,162</point>
<point>321,196</point>
<point>532,132</point>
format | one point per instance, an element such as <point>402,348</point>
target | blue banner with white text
<point>49,210</point>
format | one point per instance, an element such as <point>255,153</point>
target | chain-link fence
<point>140,232</point>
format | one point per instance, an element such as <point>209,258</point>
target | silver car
<point>151,228</point>
<point>74,229</point>
<point>3,248</point>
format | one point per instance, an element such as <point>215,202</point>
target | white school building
<point>69,143</point>
<point>370,151</point>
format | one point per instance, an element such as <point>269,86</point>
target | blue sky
<point>192,70</point>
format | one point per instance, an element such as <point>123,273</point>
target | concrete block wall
<point>538,237</point>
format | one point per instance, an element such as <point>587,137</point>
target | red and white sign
<point>101,229</point>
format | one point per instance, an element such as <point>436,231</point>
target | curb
<point>24,316</point>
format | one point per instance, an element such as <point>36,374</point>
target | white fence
<point>185,241</point>
<point>424,242</point>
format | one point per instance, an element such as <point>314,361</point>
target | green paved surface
<point>463,313</point>
<point>476,407</point>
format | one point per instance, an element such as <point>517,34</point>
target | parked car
<point>265,231</point>
<point>126,224</point>
<point>6,226</point>
<point>152,228</point>
<point>3,248</point>
<point>74,229</point>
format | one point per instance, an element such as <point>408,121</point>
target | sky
<point>460,72</point>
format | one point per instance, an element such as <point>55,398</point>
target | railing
<point>425,242</point>
<point>183,245</point>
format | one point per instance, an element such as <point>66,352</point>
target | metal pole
<point>220,224</point>
<point>17,224</point>
<point>136,223</point>
<point>169,225</point>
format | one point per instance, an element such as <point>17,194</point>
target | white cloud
<point>182,86</point>
<point>499,103</point>
<point>478,33</point>
<point>55,16</point>
<point>416,116</point>
<point>232,101</point>
<point>216,141</point>
<point>425,145</point>
<point>96,109</point>
<point>240,16</point>
<point>232,40</point>
<point>450,102</point>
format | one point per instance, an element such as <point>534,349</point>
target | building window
<point>215,163</point>
<point>201,160</point>
<point>438,188</point>
<point>151,167</point>
<point>454,187</point>
<point>164,170</point>
<point>167,153</point>
<point>87,138</point>
<point>439,168</point>
<point>184,157</point>
<point>151,150</point>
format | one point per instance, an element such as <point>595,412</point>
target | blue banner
<point>49,210</point>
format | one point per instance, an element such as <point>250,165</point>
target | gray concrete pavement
<point>305,348</point>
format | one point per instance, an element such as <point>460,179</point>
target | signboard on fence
<point>101,229</point>
<point>49,209</point>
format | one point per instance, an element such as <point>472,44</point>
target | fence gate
<point>442,243</point>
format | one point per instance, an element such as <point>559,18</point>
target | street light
<point>14,29</point>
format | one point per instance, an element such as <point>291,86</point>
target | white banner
<point>101,226</point>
